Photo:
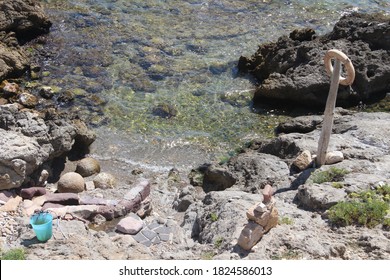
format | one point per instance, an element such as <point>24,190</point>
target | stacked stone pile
<point>261,218</point>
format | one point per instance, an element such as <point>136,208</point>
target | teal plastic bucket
<point>42,225</point>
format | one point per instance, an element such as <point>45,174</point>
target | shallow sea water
<point>123,58</point>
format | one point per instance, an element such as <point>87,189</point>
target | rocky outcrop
<point>13,60</point>
<point>19,157</point>
<point>248,172</point>
<point>24,17</point>
<point>292,69</point>
<point>28,140</point>
<point>303,228</point>
<point>210,221</point>
<point>20,20</point>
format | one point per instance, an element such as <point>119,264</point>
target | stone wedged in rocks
<point>145,208</point>
<point>291,70</point>
<point>185,199</point>
<point>303,160</point>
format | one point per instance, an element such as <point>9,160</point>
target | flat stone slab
<point>29,193</point>
<point>130,225</point>
<point>141,188</point>
<point>154,233</point>
<point>11,205</point>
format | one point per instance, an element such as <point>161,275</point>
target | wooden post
<point>328,115</point>
<point>332,96</point>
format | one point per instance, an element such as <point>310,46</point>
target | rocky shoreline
<point>104,209</point>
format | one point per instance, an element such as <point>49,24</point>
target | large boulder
<point>55,135</point>
<point>24,17</point>
<point>292,69</point>
<point>29,139</point>
<point>19,157</point>
<point>20,20</point>
<point>256,170</point>
<point>319,197</point>
<point>210,221</point>
<point>248,172</point>
<point>88,167</point>
<point>71,182</point>
<point>13,60</point>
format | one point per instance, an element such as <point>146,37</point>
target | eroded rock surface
<point>292,69</point>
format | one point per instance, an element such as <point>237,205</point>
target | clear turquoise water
<point>122,58</point>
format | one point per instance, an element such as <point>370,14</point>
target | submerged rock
<point>28,100</point>
<point>165,111</point>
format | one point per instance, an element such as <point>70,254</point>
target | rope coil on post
<point>336,54</point>
<point>336,79</point>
